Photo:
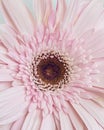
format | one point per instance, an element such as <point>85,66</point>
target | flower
<point>51,66</point>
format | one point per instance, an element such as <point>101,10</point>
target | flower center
<point>50,71</point>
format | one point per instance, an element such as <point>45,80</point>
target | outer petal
<point>8,43</point>
<point>87,118</point>
<point>94,41</point>
<point>11,108</point>
<point>17,15</point>
<point>18,124</point>
<point>48,123</point>
<point>100,75</point>
<point>100,23</point>
<point>5,127</point>
<point>4,85</point>
<point>8,37</point>
<point>5,75</point>
<point>95,110</point>
<point>60,12</point>
<point>71,14</point>
<point>32,121</point>
<point>65,121</point>
<point>42,10</point>
<point>89,17</point>
<point>75,119</point>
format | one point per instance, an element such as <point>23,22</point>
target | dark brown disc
<point>51,70</point>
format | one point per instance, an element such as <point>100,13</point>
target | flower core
<point>50,71</point>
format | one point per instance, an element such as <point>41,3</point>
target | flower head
<point>51,66</point>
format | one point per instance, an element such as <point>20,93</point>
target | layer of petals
<point>65,121</point>
<point>89,17</point>
<point>87,118</point>
<point>5,127</point>
<point>17,15</point>
<point>32,121</point>
<point>48,123</point>
<point>5,85</point>
<point>42,10</point>
<point>95,110</point>
<point>10,108</point>
<point>77,122</point>
<point>5,75</point>
<point>17,125</point>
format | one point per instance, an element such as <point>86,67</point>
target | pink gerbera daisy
<point>52,65</point>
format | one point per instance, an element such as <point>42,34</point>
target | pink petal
<point>57,123</point>
<point>5,75</point>
<point>100,100</point>
<point>60,12</point>
<point>8,37</point>
<point>98,80</point>
<point>95,110</point>
<point>18,124</point>
<point>6,59</point>
<point>17,16</point>
<point>4,85</point>
<point>42,10</point>
<point>2,48</point>
<point>10,108</point>
<point>71,13</point>
<point>5,127</point>
<point>95,43</point>
<point>100,23</point>
<point>75,119</point>
<point>48,123</point>
<point>87,118</point>
<point>89,17</point>
<point>65,121</point>
<point>32,121</point>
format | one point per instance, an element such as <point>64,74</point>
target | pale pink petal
<point>75,119</point>
<point>17,83</point>
<point>95,110</point>
<point>60,12</point>
<point>5,127</point>
<point>100,100</point>
<point>5,75</point>
<point>42,10</point>
<point>89,121</point>
<point>48,123</point>
<point>2,48</point>
<point>17,16</point>
<point>89,17</point>
<point>99,80</point>
<point>17,125</point>
<point>94,41</point>
<point>65,121</point>
<point>8,38</point>
<point>12,104</point>
<point>100,66</point>
<point>5,59</point>
<point>71,14</point>
<point>57,123</point>
<point>32,121</point>
<point>4,85</point>
<point>100,23</point>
